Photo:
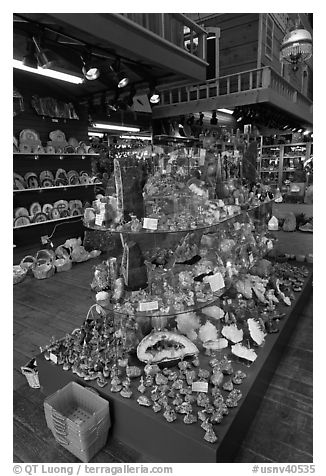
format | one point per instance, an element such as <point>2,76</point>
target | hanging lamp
<point>296,47</point>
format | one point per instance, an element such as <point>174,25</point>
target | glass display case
<point>180,313</point>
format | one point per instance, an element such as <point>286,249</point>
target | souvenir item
<point>21,221</point>
<point>61,177</point>
<point>216,417</point>
<point>213,311</point>
<point>170,415</point>
<point>243,352</point>
<point>21,211</point>
<point>228,385</point>
<point>233,398</point>
<point>73,177</point>
<point>210,436</point>
<point>31,180</point>
<point>208,332</point>
<point>214,345</point>
<point>40,217</point>
<point>255,331</point>
<point>144,401</point>
<point>238,377</point>
<point>133,371</point>
<point>189,418</point>
<point>35,208</point>
<point>217,378</point>
<point>141,387</point>
<point>101,382</point>
<point>19,182</point>
<point>47,208</point>
<point>174,346</point>
<point>156,407</point>
<point>54,214</point>
<point>19,274</point>
<point>232,333</point>
<point>44,264</point>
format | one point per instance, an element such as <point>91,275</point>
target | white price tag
<point>199,387</point>
<point>215,281</point>
<point>251,258</point>
<point>99,217</point>
<point>54,358</point>
<point>148,306</point>
<point>150,223</point>
<point>202,157</point>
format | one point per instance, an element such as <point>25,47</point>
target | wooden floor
<point>280,432</point>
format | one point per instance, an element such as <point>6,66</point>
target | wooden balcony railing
<point>174,28</point>
<point>261,78</point>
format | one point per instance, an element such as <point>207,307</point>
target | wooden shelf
<point>47,222</point>
<point>58,187</point>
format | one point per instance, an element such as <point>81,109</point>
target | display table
<point>159,441</point>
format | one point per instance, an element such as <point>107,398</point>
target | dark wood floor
<point>280,432</point>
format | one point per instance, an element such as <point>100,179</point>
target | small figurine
<point>141,387</point>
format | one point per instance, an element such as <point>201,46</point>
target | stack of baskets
<point>79,420</point>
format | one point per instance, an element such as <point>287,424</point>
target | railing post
<point>250,80</point>
<point>266,79</point>
<point>179,94</point>
<point>188,93</point>
<point>228,85</point>
<point>295,96</point>
<point>239,82</point>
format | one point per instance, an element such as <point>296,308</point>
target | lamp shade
<point>296,47</point>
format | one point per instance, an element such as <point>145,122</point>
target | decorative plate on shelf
<point>47,208</point>
<point>47,183</point>
<point>73,142</point>
<point>75,204</point>
<point>31,180</point>
<point>46,174</point>
<point>57,136</point>
<point>61,205</point>
<point>40,217</point>
<point>21,212</point>
<point>64,212</point>
<point>19,182</point>
<point>21,221</point>
<point>34,209</point>
<point>28,135</point>
<point>73,177</point>
<point>49,149</point>
<point>55,214</point>
<point>61,177</point>
<point>76,211</point>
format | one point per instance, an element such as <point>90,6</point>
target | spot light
<point>89,69</point>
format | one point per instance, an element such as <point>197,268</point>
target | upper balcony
<point>261,85</point>
<point>169,45</point>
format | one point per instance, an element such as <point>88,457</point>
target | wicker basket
<point>28,263</point>
<point>19,274</point>
<point>31,373</point>
<point>63,261</point>
<point>44,266</point>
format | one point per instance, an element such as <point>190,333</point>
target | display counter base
<point>159,441</point>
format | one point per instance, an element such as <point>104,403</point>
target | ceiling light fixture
<point>51,73</point>
<point>45,58</point>
<point>30,60</point>
<point>306,133</point>
<point>154,95</point>
<point>89,69</point>
<point>137,137</point>
<point>96,134</point>
<point>227,111</point>
<point>296,47</point>
<point>120,76</point>
<point>113,127</point>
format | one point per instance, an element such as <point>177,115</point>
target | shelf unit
<point>277,163</point>
<point>37,162</point>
